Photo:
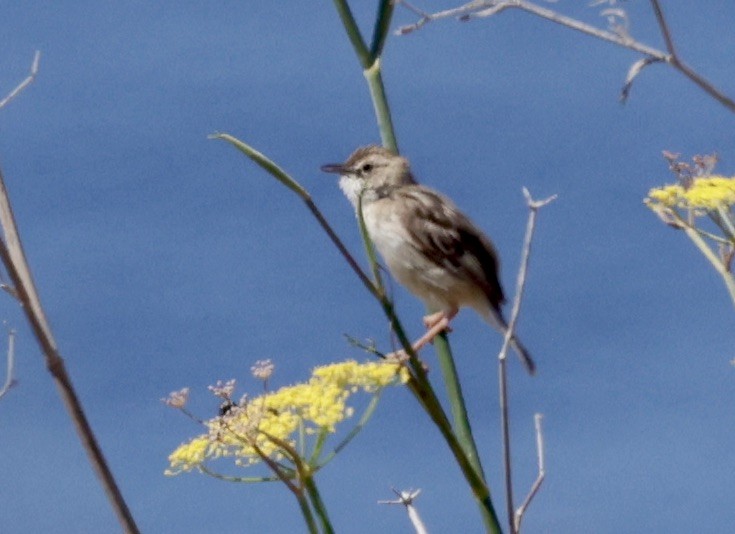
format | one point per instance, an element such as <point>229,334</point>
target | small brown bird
<point>429,246</point>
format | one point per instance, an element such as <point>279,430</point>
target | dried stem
<point>533,206</point>
<point>25,83</point>
<point>406,498</point>
<point>14,260</point>
<point>486,8</point>
<point>9,375</point>
<point>541,472</point>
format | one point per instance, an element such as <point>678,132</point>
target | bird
<point>428,245</point>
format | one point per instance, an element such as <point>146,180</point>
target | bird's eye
<point>367,167</point>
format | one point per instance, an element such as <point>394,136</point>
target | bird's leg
<point>433,318</point>
<point>436,323</point>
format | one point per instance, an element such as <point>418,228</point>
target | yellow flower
<point>189,455</point>
<point>316,406</point>
<point>706,193</point>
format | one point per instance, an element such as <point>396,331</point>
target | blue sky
<point>165,259</point>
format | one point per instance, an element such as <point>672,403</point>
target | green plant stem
<point>460,418</point>
<point>318,504</point>
<point>712,257</point>
<point>353,33</point>
<point>306,512</point>
<point>380,103</point>
<point>479,489</point>
<point>283,177</point>
<point>356,430</point>
<point>382,27</point>
<point>369,59</point>
<point>726,223</point>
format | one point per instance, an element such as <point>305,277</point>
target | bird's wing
<point>449,239</point>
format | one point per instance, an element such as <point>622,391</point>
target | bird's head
<point>370,170</point>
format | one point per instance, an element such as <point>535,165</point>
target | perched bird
<point>429,246</point>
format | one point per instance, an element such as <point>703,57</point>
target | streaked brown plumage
<point>428,244</point>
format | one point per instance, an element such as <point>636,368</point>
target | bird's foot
<point>436,323</point>
<point>433,319</point>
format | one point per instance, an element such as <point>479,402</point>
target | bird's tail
<point>523,354</point>
<point>496,319</point>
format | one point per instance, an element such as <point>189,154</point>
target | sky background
<point>165,259</point>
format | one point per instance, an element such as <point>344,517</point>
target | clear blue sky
<point>165,259</point>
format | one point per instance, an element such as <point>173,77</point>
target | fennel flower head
<point>704,194</point>
<point>267,427</point>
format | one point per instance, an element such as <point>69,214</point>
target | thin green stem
<point>318,504</point>
<point>282,176</point>
<point>306,512</point>
<point>726,223</point>
<point>708,253</point>
<point>380,103</point>
<point>713,259</point>
<point>478,486</point>
<point>242,480</point>
<point>305,475</point>
<point>382,27</point>
<point>369,248</point>
<point>367,414</point>
<point>370,62</point>
<point>460,417</point>
<point>321,439</point>
<point>353,33</point>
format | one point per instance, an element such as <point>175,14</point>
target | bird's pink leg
<point>436,323</point>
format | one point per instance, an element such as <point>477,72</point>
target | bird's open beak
<point>334,168</point>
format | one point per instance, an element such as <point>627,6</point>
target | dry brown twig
<point>23,289</point>
<point>617,34</point>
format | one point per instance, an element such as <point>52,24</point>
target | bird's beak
<point>334,168</point>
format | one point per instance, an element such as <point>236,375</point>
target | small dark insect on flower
<point>226,407</point>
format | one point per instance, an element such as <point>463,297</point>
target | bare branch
<point>533,206</point>
<point>541,472</point>
<point>618,36</point>
<point>664,27</point>
<point>14,260</point>
<point>25,83</point>
<point>9,375</point>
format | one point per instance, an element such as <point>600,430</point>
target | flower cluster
<point>256,428</point>
<point>704,194</point>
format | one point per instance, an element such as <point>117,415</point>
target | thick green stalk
<point>382,27</point>
<point>306,512</point>
<point>318,504</point>
<point>460,418</point>
<point>478,486</point>
<point>353,33</point>
<point>380,103</point>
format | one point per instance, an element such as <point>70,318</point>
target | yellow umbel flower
<point>705,194</point>
<point>255,427</point>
